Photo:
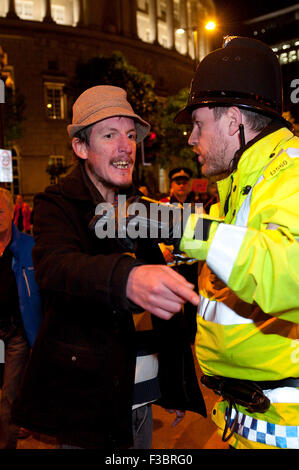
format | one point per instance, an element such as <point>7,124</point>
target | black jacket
<point>80,379</point>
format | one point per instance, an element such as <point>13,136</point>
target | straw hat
<point>102,102</point>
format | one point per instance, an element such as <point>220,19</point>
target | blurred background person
<point>22,215</point>
<point>20,314</point>
<point>180,186</point>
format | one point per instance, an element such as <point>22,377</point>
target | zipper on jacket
<point>26,281</point>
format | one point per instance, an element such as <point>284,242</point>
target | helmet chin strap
<point>242,136</point>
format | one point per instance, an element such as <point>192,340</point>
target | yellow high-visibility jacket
<point>248,318</point>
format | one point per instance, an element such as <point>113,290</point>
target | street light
<point>208,26</point>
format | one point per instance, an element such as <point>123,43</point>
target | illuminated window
<point>142,5</point>
<point>55,100</point>
<point>58,14</point>
<point>293,56</point>
<point>283,58</point>
<point>161,9</point>
<point>24,9</point>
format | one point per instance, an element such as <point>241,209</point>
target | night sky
<point>230,11</point>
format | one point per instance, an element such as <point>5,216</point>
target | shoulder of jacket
<point>286,158</point>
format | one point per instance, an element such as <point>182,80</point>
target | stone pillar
<point>170,23</point>
<point>184,24</point>
<point>11,10</point>
<point>127,18</point>
<point>153,21</point>
<point>133,19</point>
<point>48,15</point>
<point>111,22</point>
<point>81,19</point>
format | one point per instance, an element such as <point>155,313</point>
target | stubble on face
<point>97,177</point>
<point>209,141</point>
<point>215,158</point>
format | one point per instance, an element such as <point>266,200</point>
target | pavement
<point>193,432</point>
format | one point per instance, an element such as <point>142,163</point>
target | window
<point>58,14</point>
<point>56,167</point>
<point>161,9</point>
<point>57,160</point>
<point>142,5</point>
<point>283,58</point>
<point>55,100</point>
<point>293,56</point>
<point>24,9</point>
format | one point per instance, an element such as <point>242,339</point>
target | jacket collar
<point>253,160</point>
<point>259,153</point>
<point>15,240</point>
<point>77,185</point>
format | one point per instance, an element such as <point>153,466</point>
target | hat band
<point>222,94</point>
<point>94,111</point>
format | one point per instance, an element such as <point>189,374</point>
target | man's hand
<point>159,290</point>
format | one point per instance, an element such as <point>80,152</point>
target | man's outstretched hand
<point>160,290</point>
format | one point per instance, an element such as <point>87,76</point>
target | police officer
<point>247,323</point>
<point>249,311</point>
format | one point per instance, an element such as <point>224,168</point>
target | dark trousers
<point>16,356</point>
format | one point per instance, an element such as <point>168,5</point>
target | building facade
<point>280,30</point>
<point>42,41</point>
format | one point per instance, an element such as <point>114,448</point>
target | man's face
<point>209,141</point>
<point>19,200</point>
<point>180,187</point>
<point>111,152</point>
<point>5,216</point>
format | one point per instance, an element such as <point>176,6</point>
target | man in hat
<point>79,384</point>
<point>247,323</point>
<point>179,186</point>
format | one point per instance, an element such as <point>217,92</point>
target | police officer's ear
<point>80,148</point>
<point>234,119</point>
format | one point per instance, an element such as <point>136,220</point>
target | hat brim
<point>142,127</point>
<point>184,116</point>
